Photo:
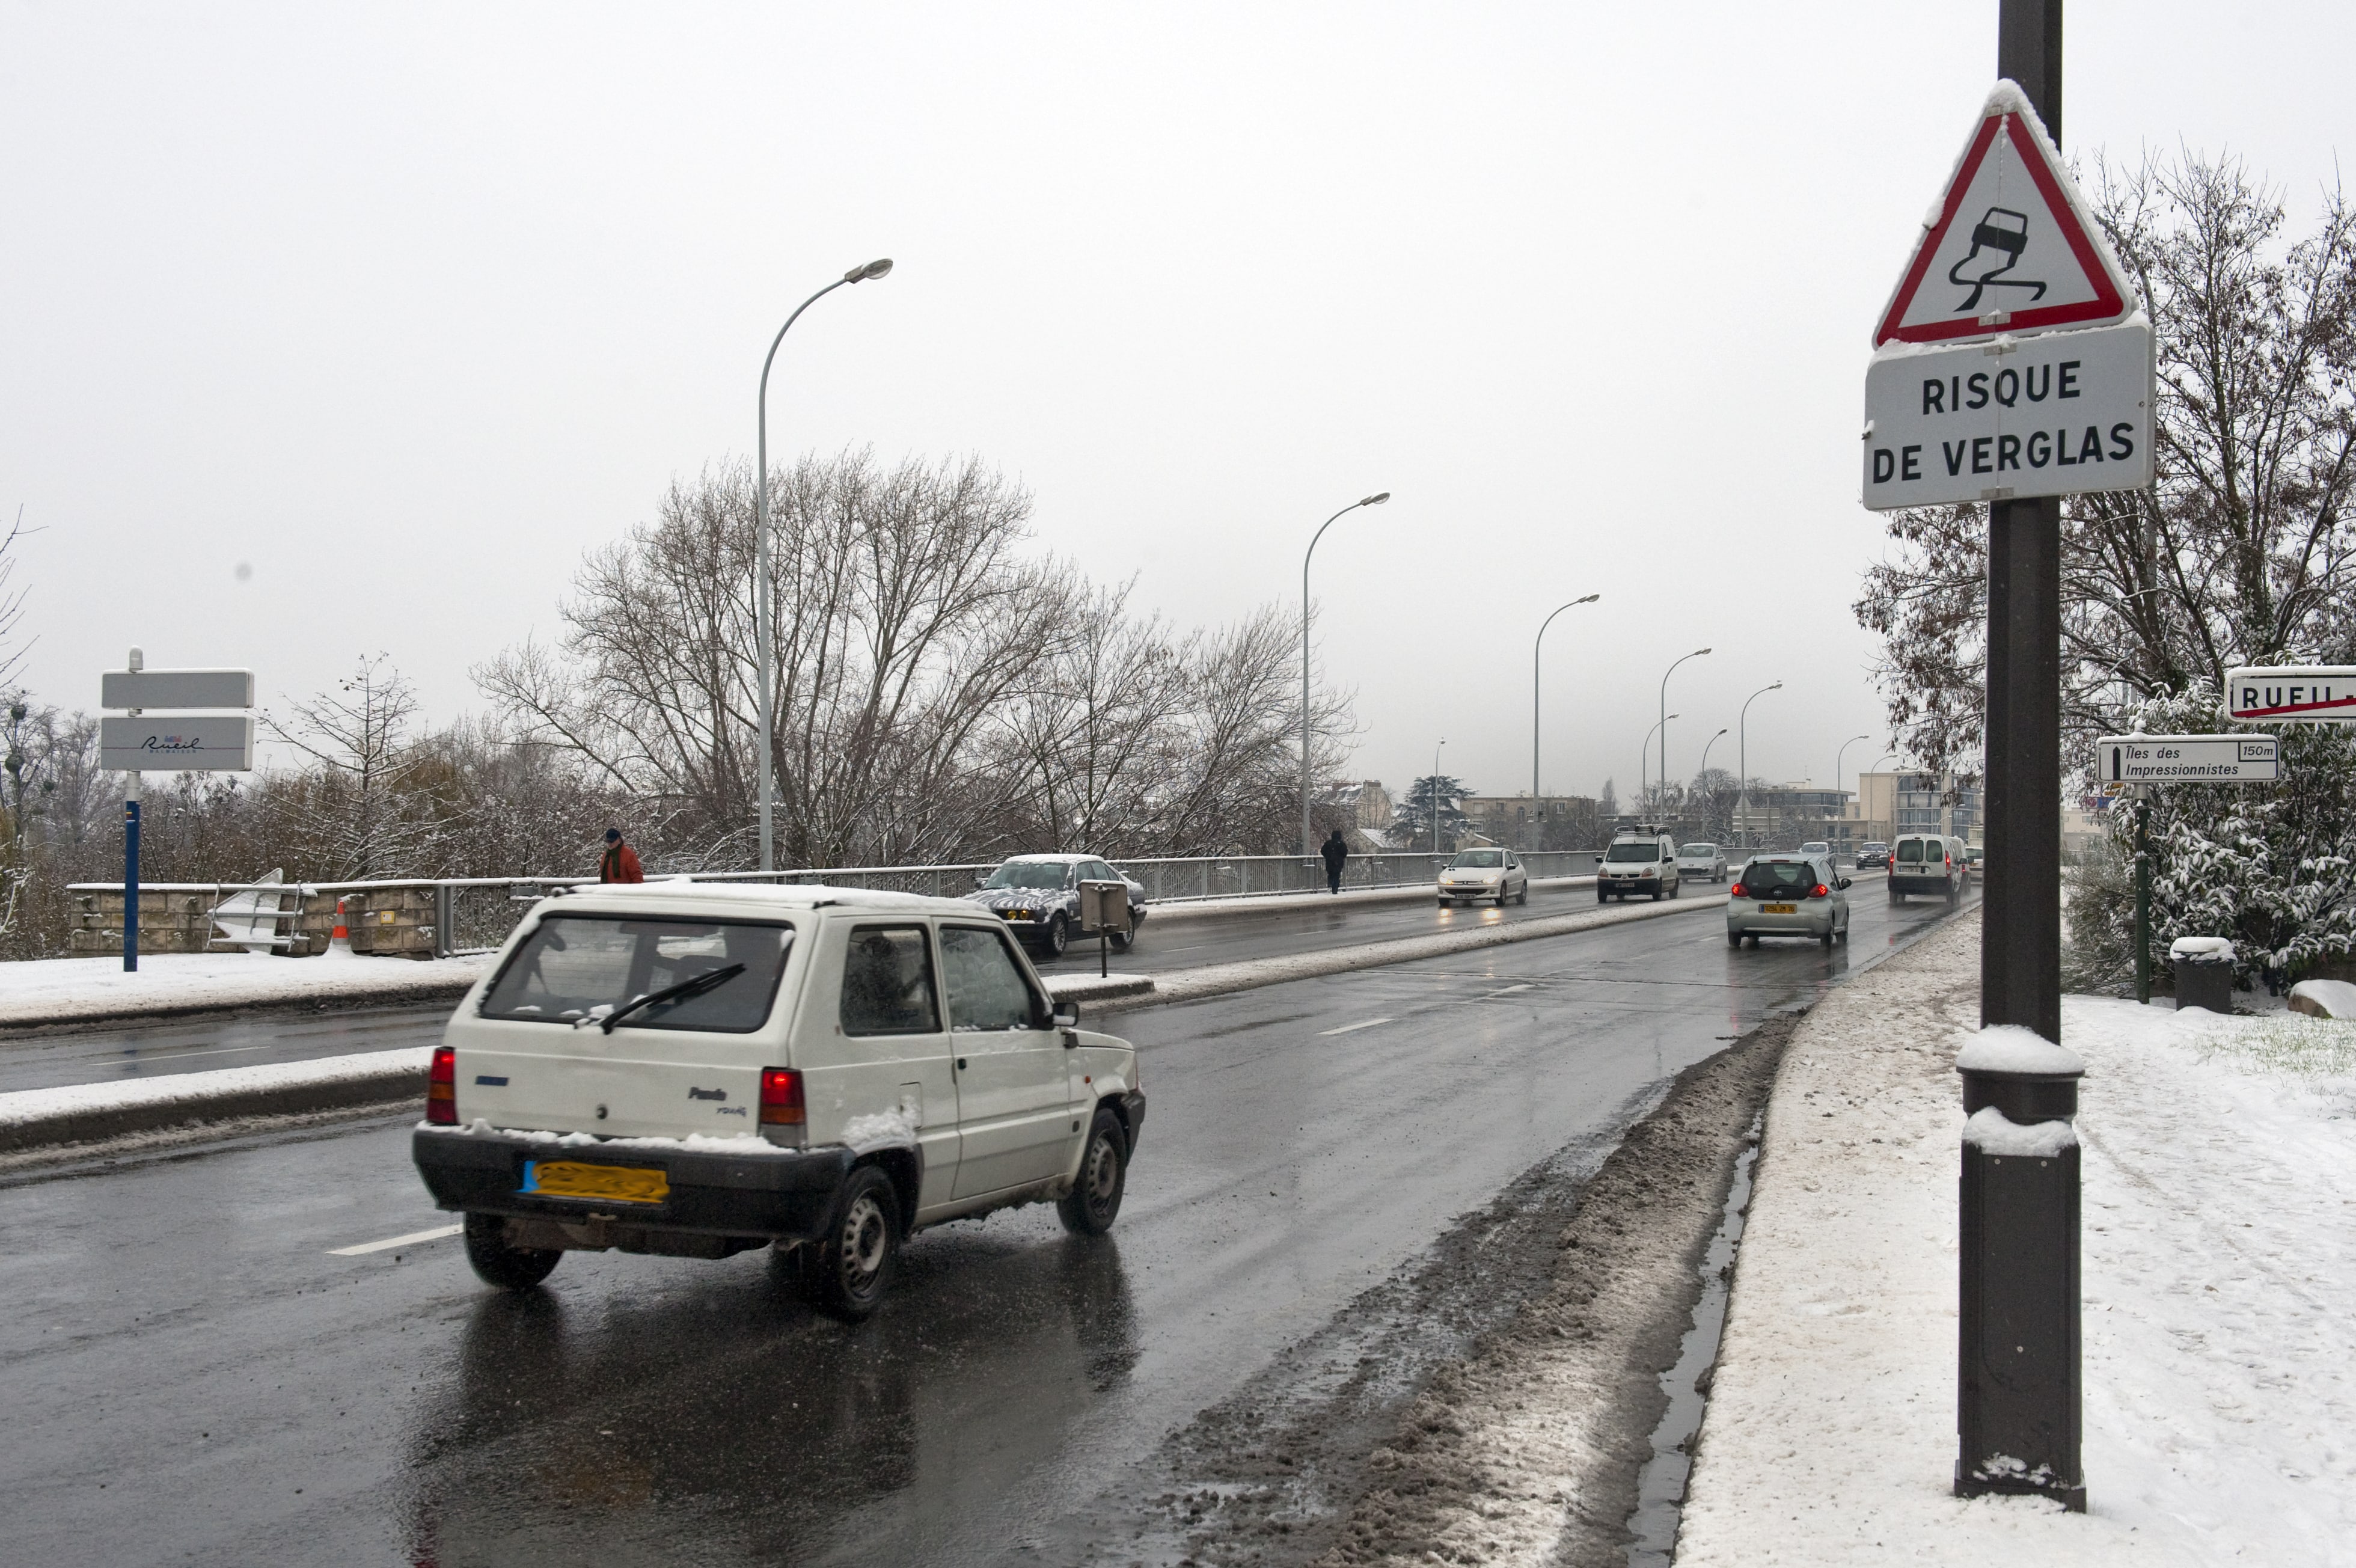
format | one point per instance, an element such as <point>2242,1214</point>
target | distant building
<point>1521,821</point>
<point>1935,803</point>
<point>1785,816</point>
<point>1368,803</point>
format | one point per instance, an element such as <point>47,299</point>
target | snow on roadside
<point>199,1089</point>
<point>65,990</point>
<point>2219,1248</point>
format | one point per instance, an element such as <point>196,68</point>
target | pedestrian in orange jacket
<point>621,862</point>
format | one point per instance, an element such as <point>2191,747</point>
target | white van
<point>696,1070</point>
<point>1926,863</point>
<point>1641,859</point>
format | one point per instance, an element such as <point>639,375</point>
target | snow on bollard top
<point>1992,1132</point>
<point>2009,1047</point>
<point>2201,950</point>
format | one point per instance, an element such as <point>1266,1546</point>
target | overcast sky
<point>332,329</point>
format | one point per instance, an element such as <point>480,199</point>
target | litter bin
<point>2204,973</point>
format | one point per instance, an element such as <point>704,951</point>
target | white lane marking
<point>207,1051</point>
<point>1347,1028</point>
<point>436,1234</point>
<point>1511,989</point>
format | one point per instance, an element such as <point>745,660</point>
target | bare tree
<point>358,734</point>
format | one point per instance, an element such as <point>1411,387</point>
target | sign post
<point>140,743</point>
<point>2133,764</point>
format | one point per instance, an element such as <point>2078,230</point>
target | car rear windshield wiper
<point>709,980</point>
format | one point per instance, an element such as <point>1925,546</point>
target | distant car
<point>1818,848</point>
<point>1641,859</point>
<point>1974,855</point>
<point>1038,897</point>
<point>1702,862</point>
<point>1787,895</point>
<point>1872,852</point>
<point>1484,874</point>
<point>1925,863</point>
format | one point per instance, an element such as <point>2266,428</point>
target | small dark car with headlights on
<point>1038,897</point>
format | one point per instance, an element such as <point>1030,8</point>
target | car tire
<point>497,1264</point>
<point>848,1269</point>
<point>1121,940</point>
<point>1095,1198</point>
<point>1602,897</point>
<point>1896,898</point>
<point>1524,895</point>
<point>1734,938</point>
<point>1059,934</point>
<point>1827,939</point>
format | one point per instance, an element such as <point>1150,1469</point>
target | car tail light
<point>1736,892</point>
<point>442,1089</point>
<point>783,1115</point>
<point>1819,891</point>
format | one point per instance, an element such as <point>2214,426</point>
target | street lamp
<point>1704,769</point>
<point>1535,646</point>
<point>1742,752</point>
<point>1308,845</point>
<point>1843,752</point>
<point>1431,796</point>
<point>1644,757</point>
<point>761,632</point>
<point>1666,716</point>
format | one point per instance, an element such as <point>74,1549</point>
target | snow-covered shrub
<point>2271,867</point>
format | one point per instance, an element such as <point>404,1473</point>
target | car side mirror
<point>1066,1015</point>
<point>1843,881</point>
<point>981,878</point>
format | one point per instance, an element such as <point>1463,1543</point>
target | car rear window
<point>581,967</point>
<point>1777,875</point>
<point>1909,849</point>
<point>1641,849</point>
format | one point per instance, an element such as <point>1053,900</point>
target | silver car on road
<point>1787,895</point>
<point>1702,862</point>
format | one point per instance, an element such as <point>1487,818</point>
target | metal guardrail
<point>475,914</point>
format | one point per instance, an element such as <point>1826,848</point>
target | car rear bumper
<point>1901,883</point>
<point>1814,917</point>
<point>782,1196</point>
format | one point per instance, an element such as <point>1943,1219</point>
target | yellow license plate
<point>607,1184</point>
<point>1778,908</point>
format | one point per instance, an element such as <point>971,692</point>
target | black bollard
<point>2018,1391</point>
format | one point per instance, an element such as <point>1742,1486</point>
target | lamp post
<point>1308,845</point>
<point>1704,769</point>
<point>1742,751</point>
<point>1666,715</point>
<point>1431,795</point>
<point>761,632</point>
<point>1838,757</point>
<point>1535,646</point>
<point>1644,757</point>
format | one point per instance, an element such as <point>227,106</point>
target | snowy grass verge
<point>2219,1186</point>
<point>91,1112</point>
<point>50,992</point>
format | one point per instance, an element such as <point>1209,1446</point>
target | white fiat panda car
<point>695,1069</point>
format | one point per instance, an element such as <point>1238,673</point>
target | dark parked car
<point>1872,853</point>
<point>1038,897</point>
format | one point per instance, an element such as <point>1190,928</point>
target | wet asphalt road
<point>191,1375</point>
<point>97,1056</point>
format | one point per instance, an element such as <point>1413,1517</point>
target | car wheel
<point>497,1264</point>
<point>1121,940</point>
<point>848,1269</point>
<point>1955,895</point>
<point>1095,1198</point>
<point>1896,898</point>
<point>1059,936</point>
<point>1734,938</point>
<point>1524,895</point>
<point>1602,897</point>
<point>1827,939</point>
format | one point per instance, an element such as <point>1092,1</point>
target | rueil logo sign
<point>172,743</point>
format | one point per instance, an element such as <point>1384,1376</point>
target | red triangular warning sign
<point>2009,247</point>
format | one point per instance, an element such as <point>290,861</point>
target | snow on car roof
<point>772,896</point>
<point>1058,857</point>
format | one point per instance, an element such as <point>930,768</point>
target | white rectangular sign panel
<point>2056,414</point>
<point>176,689</point>
<point>176,743</point>
<point>2186,759</point>
<point>2295,693</point>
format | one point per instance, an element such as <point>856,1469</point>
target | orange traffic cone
<point>339,940</point>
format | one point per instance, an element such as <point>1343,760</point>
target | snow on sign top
<point>2009,248</point>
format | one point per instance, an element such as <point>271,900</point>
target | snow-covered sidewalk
<point>2219,1264</point>
<point>92,990</point>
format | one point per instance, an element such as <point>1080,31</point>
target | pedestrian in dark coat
<point>621,862</point>
<point>1336,851</point>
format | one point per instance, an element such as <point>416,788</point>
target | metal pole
<point>1838,757</point>
<point>2018,1396</point>
<point>2143,893</point>
<point>1742,751</point>
<point>1431,794</point>
<point>1536,644</point>
<point>1308,844</point>
<point>1666,715</point>
<point>762,634</point>
<point>131,876</point>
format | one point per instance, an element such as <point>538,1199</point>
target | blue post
<point>130,880</point>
